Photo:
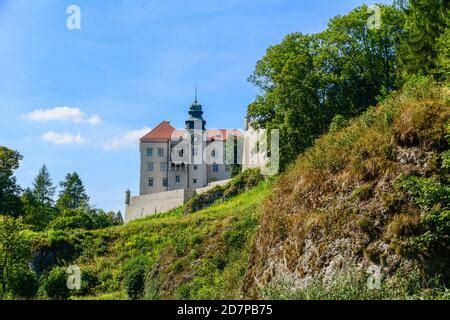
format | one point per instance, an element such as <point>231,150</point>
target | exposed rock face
<point>324,219</point>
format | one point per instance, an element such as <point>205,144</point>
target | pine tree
<point>426,21</point>
<point>43,188</point>
<point>119,218</point>
<point>73,194</point>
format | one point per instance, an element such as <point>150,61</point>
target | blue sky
<point>76,100</point>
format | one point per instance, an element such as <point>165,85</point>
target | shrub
<point>434,196</point>
<point>89,281</point>
<point>55,284</point>
<point>73,219</point>
<point>204,200</point>
<point>246,180</point>
<point>24,283</point>
<point>134,276</point>
<point>338,123</point>
<point>426,192</point>
<point>438,234</point>
<point>243,182</point>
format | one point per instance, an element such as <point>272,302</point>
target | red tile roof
<point>164,131</point>
<point>161,132</point>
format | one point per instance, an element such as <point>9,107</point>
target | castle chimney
<point>127,197</point>
<point>246,122</point>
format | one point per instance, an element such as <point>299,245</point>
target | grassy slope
<point>336,209</point>
<point>338,206</point>
<point>198,256</point>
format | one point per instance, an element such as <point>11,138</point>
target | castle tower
<point>195,124</point>
<point>195,120</point>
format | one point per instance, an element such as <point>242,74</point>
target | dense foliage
<point>24,211</point>
<point>425,40</point>
<point>308,79</point>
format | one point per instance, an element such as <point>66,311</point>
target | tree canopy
<point>73,194</point>
<point>425,37</point>
<point>308,79</point>
<point>9,190</point>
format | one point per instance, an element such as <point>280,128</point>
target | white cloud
<point>95,119</point>
<point>62,114</point>
<point>130,138</point>
<point>63,138</point>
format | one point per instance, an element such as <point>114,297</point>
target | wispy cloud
<point>62,114</point>
<point>130,138</point>
<point>60,138</point>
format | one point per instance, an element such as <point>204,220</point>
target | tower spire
<point>195,93</point>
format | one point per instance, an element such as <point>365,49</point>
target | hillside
<point>370,194</point>
<point>202,255</point>
<point>374,194</point>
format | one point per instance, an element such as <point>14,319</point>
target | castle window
<point>177,178</point>
<point>195,167</point>
<point>213,153</point>
<point>160,152</point>
<point>181,152</point>
<point>149,166</point>
<point>163,166</point>
<point>149,152</point>
<point>150,182</point>
<point>164,181</point>
<point>216,168</point>
<point>194,181</point>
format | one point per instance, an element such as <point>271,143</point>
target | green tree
<point>43,188</point>
<point>307,79</point>
<point>426,21</point>
<point>9,190</point>
<point>73,194</point>
<point>14,255</point>
<point>443,58</point>
<point>37,214</point>
<point>104,219</point>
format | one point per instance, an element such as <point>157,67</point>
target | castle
<point>177,164</point>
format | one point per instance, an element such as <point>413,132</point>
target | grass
<point>202,255</point>
<point>355,285</point>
